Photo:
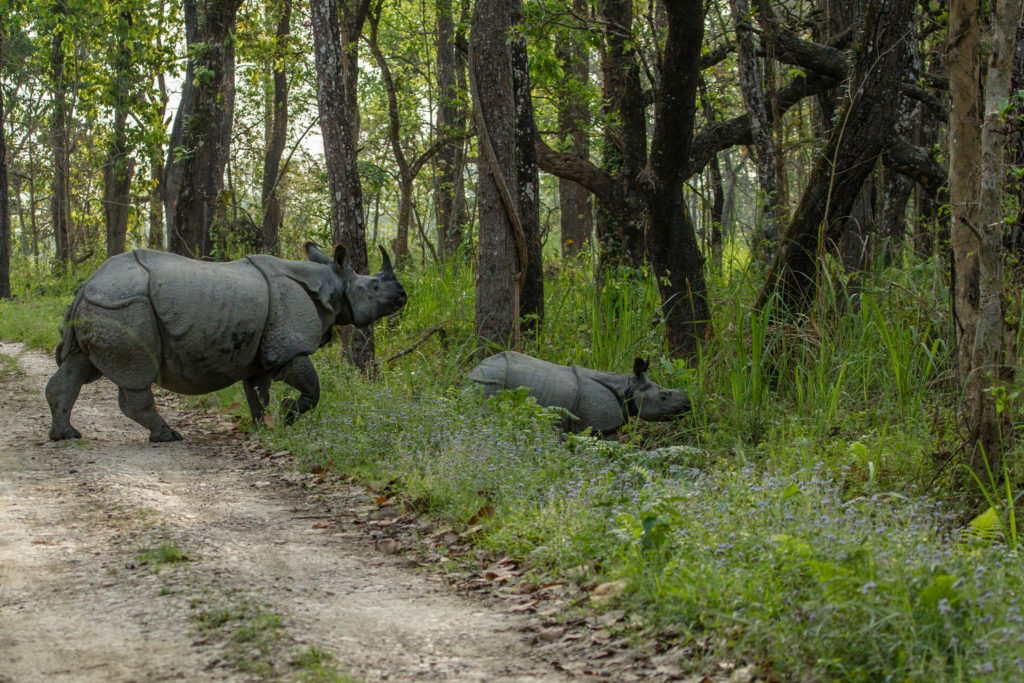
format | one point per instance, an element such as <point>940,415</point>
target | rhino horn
<point>313,253</point>
<point>386,263</point>
<point>640,366</point>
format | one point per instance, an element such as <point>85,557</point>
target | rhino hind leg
<point>299,373</point>
<point>138,404</point>
<point>62,392</point>
<point>257,393</point>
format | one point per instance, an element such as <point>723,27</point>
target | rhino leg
<point>299,373</point>
<point>257,393</point>
<point>62,392</point>
<point>138,404</point>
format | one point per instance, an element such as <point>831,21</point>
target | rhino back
<point>548,383</point>
<point>211,316</point>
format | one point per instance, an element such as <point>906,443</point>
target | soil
<point>213,559</point>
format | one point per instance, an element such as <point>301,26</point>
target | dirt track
<point>83,599</point>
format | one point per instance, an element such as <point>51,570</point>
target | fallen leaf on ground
<point>608,591</point>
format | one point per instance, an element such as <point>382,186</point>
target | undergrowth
<point>805,517</point>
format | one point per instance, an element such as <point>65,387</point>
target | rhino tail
<point>68,343</point>
<point>491,371</point>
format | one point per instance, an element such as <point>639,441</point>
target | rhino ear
<point>339,255</point>
<point>640,366</point>
<point>313,252</point>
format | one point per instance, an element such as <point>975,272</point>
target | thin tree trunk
<point>5,209</point>
<point>451,125</point>
<point>765,151</point>
<point>277,133</point>
<point>60,197</point>
<point>576,222</point>
<point>119,167</point>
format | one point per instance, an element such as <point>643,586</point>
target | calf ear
<point>640,366</point>
<point>339,255</point>
<point>313,252</point>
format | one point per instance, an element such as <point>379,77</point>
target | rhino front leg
<point>138,404</point>
<point>257,393</point>
<point>62,392</point>
<point>300,373</point>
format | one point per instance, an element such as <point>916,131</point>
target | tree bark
<point>277,133</point>
<point>119,167</point>
<point>861,131</point>
<point>576,218</point>
<point>765,151</point>
<point>977,184</point>
<point>451,125</point>
<point>671,238</point>
<point>336,70</point>
<point>60,190</point>
<point>203,125</point>
<point>5,209</point>
<point>507,184</point>
<point>620,224</point>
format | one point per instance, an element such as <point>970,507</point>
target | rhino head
<point>365,298</point>
<point>650,401</point>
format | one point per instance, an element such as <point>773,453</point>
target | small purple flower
<point>944,608</point>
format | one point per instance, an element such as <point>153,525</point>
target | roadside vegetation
<point>813,515</point>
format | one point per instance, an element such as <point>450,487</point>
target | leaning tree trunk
<point>864,125</point>
<point>277,132</point>
<point>507,185</point>
<point>335,68</point>
<point>203,125</point>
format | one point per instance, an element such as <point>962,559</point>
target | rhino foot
<point>165,436</point>
<point>68,432</point>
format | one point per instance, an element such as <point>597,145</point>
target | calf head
<point>650,401</point>
<point>365,297</point>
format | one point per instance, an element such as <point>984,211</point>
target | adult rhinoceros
<point>194,327</point>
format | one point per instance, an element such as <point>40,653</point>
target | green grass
<point>804,517</point>
<point>166,553</point>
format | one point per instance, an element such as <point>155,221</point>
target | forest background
<point>808,213</point>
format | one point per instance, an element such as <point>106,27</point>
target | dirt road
<point>206,559</point>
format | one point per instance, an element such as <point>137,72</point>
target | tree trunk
<point>119,167</point>
<point>507,185</point>
<point>273,214</point>
<point>336,71</point>
<point>195,172</point>
<point>765,151</point>
<point>671,238</point>
<point>576,218</point>
<point>864,125</point>
<point>60,197</point>
<point>5,210</point>
<point>977,183</point>
<point>451,125</point>
<point>620,224</point>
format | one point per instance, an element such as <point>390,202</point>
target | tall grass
<point>793,520</point>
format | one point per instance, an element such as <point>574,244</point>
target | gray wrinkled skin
<point>150,317</point>
<point>603,401</point>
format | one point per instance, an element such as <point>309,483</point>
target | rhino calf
<point>150,317</point>
<point>603,401</point>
